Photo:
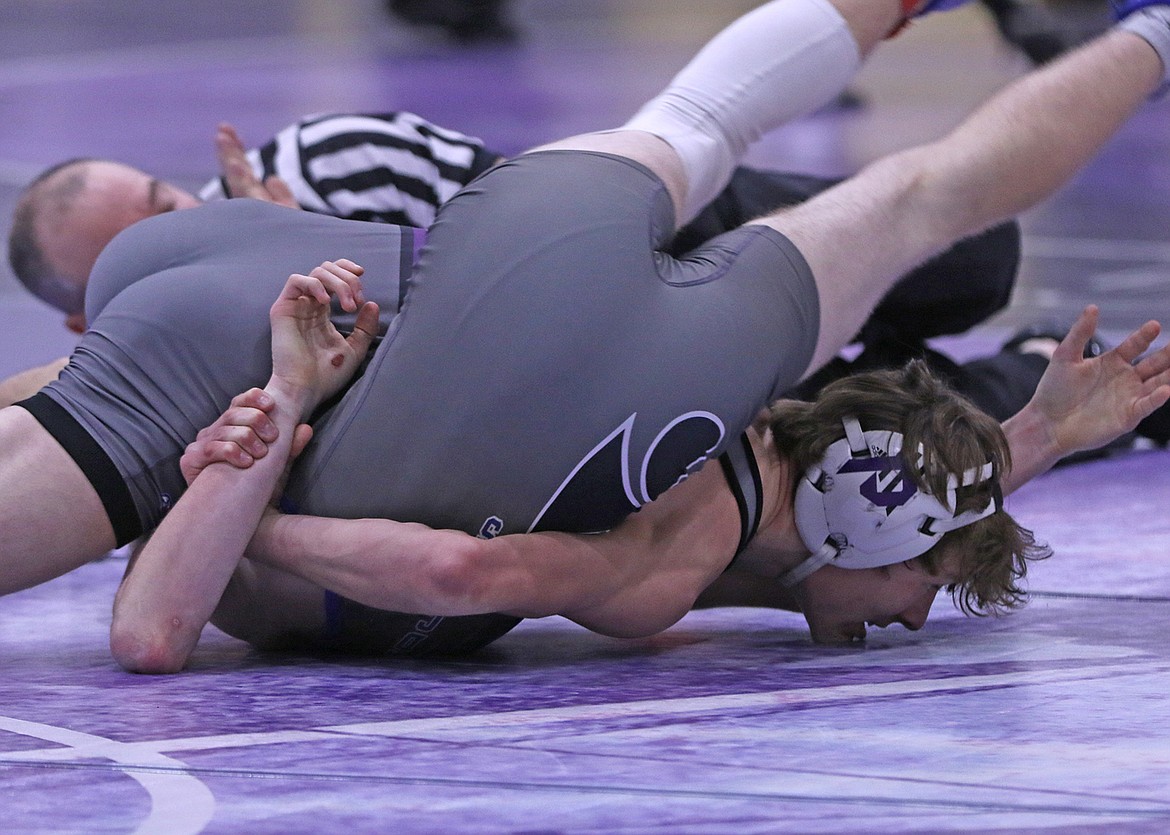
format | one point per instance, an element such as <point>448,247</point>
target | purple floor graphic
<point>1051,719</point>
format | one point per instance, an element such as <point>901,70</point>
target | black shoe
<point>1030,28</point>
<point>466,21</point>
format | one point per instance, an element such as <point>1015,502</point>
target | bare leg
<point>1016,150</point>
<point>782,60</point>
<point>27,383</point>
<point>51,519</point>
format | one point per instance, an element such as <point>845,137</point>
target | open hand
<point>311,359</point>
<point>1089,402</point>
<point>240,179</point>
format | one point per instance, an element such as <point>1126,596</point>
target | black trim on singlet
<point>743,479</point>
<point>484,159</point>
<point>98,468</point>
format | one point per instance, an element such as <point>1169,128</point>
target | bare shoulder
<point>673,548</point>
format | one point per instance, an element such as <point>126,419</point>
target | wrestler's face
<point>839,603</point>
<point>113,197</point>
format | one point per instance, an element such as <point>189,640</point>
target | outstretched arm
<point>1085,403</point>
<point>634,580</point>
<point>174,584</point>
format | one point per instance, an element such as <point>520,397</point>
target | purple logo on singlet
<point>889,486</point>
<point>491,527</point>
<point>421,631</point>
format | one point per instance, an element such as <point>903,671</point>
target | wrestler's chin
<point>837,634</point>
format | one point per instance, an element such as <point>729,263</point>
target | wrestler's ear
<point>301,437</point>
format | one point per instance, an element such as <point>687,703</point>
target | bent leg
<point>951,293</point>
<point>780,61</point>
<point>51,519</point>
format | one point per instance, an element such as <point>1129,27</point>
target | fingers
<point>1153,401</point>
<point>1132,347</point>
<point>249,411</point>
<point>234,451</point>
<point>341,278</point>
<point>1072,347</point>
<point>240,436</point>
<point>279,192</point>
<point>364,328</point>
<point>1155,369</point>
<point>240,179</point>
<point>1138,342</point>
<point>227,136</point>
<point>301,437</point>
<point>204,452</point>
<point>254,398</point>
<point>238,176</point>
<point>303,286</point>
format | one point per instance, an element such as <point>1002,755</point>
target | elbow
<point>145,651</point>
<point>458,578</point>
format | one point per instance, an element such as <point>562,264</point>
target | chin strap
<point>827,553</point>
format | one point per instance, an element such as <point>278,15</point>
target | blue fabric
<point>1124,8</point>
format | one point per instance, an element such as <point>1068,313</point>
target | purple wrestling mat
<point>1054,718</point>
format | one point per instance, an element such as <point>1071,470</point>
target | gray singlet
<point>550,368</point>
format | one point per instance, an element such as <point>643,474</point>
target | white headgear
<point>860,507</point>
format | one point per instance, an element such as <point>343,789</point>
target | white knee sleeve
<point>783,60</point>
<point>1153,24</point>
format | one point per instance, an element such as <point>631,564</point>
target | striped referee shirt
<point>381,167</point>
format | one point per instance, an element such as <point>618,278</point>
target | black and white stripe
<point>382,167</point>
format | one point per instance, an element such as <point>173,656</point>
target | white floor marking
<point>90,747</point>
<point>179,802</point>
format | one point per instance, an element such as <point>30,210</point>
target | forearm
<point>647,570</point>
<point>173,585</point>
<point>398,566</point>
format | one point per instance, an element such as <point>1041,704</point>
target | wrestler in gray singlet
<point>545,336</point>
<point>178,306</point>
<point>550,368</point>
